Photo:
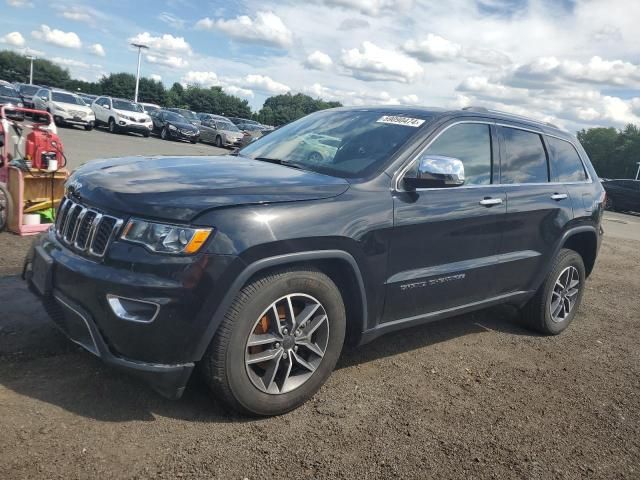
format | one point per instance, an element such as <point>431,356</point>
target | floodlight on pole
<point>139,46</point>
<point>32,58</point>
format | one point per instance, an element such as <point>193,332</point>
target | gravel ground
<point>470,397</point>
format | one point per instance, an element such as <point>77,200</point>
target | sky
<point>575,63</point>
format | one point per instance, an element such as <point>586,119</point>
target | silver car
<point>221,133</point>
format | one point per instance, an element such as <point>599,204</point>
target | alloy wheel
<point>287,343</point>
<point>564,294</point>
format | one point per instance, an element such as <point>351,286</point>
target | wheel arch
<point>584,241</point>
<point>338,265</point>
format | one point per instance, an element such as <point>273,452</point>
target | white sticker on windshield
<point>406,121</point>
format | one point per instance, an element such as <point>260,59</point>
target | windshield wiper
<point>277,161</point>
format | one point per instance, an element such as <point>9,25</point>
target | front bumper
<point>163,351</point>
<point>134,127</point>
<point>82,121</point>
<point>180,135</point>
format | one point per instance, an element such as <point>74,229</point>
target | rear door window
<point>524,159</point>
<point>566,165</point>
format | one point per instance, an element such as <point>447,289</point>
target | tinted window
<point>524,159</point>
<point>566,165</point>
<point>8,91</point>
<point>63,97</point>
<point>471,143</point>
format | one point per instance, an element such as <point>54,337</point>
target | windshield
<point>188,114</point>
<point>66,98</point>
<point>151,108</point>
<point>227,126</point>
<point>8,91</point>
<point>126,106</point>
<point>28,89</point>
<point>174,117</point>
<point>347,144</point>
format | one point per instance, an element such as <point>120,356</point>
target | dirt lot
<point>471,397</point>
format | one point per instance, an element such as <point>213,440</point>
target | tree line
<point>277,110</point>
<point>614,153</point>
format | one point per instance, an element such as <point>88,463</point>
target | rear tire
<point>556,302</point>
<point>228,366</point>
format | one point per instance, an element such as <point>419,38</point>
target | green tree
<point>613,153</point>
<point>281,109</point>
<point>121,85</point>
<point>15,68</point>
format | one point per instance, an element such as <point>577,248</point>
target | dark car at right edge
<point>259,266</point>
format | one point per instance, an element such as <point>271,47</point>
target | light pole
<point>638,171</point>
<point>32,58</point>
<point>139,46</point>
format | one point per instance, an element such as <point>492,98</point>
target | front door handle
<point>488,202</point>
<point>558,196</point>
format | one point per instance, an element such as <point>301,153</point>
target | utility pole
<point>638,171</point>
<point>32,58</point>
<point>139,46</point>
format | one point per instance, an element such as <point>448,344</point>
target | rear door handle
<point>488,202</point>
<point>558,196</point>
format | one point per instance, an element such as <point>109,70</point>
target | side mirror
<point>44,99</point>
<point>435,171</point>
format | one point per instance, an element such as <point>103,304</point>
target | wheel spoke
<point>287,373</point>
<point>257,339</point>
<point>303,362</point>
<point>556,309</point>
<point>270,374</point>
<point>263,356</point>
<point>276,315</point>
<point>572,293</point>
<point>303,317</point>
<point>314,325</point>
<point>290,313</point>
<point>312,347</point>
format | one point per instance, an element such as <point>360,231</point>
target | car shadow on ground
<point>39,362</point>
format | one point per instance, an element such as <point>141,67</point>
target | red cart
<point>30,185</point>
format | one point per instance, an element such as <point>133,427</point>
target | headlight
<point>172,127</point>
<point>126,117</point>
<point>165,238</point>
<point>20,104</point>
<point>59,109</point>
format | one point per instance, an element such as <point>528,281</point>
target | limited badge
<point>406,121</point>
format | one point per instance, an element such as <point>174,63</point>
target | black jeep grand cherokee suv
<point>341,226</point>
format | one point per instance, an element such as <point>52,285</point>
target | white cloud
<point>167,60</point>
<point>19,3</point>
<point>596,70</point>
<point>57,37</point>
<point>171,20</point>
<point>78,15</point>
<point>319,61</point>
<point>432,48</point>
<point>238,91</point>
<point>358,97</point>
<point>265,84</point>
<point>13,38</point>
<point>375,63</point>
<point>155,77</point>
<point>266,28</point>
<point>165,43</point>
<point>484,87</point>
<point>97,50</point>
<point>69,62</point>
<point>203,79</point>
<point>372,7</point>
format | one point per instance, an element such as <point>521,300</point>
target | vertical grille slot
<point>85,229</point>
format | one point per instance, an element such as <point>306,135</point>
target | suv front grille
<point>85,229</point>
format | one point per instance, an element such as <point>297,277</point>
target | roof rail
<point>509,114</point>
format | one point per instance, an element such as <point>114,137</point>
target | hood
<point>4,99</point>
<point>180,188</point>
<point>74,106</point>
<point>184,126</point>
<point>137,115</point>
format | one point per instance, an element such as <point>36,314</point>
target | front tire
<point>278,343</point>
<point>112,126</point>
<point>164,134</point>
<point>554,306</point>
<point>219,141</point>
<point>6,208</point>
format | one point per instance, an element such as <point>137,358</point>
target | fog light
<point>122,123</point>
<point>133,310</point>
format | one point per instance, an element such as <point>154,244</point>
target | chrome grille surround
<point>85,229</point>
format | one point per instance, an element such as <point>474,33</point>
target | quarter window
<point>470,143</point>
<point>524,159</point>
<point>566,165</point>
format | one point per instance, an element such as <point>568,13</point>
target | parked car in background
<point>66,108</point>
<point>149,108</point>
<point>238,120</point>
<point>189,115</point>
<point>173,126</point>
<point>220,132</point>
<point>27,91</point>
<point>252,129</point>
<point>10,97</point>
<point>316,148</point>
<point>88,98</point>
<point>622,194</point>
<point>122,115</point>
